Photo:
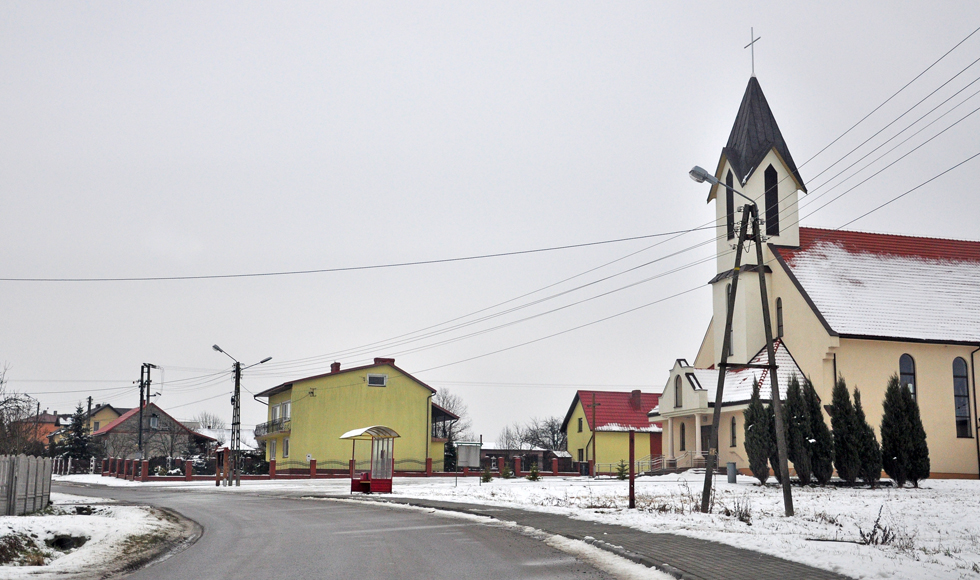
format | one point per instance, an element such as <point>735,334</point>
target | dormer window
<point>772,201</point>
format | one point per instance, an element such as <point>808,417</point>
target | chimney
<point>335,367</point>
<point>384,361</point>
<point>635,400</point>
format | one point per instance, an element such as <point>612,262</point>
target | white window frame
<point>273,412</point>
<point>285,447</point>
<point>272,449</point>
<point>154,422</point>
<point>286,408</point>
<point>384,380</point>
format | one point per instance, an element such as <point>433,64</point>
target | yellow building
<point>597,427</point>
<point>100,416</point>
<point>307,417</point>
<point>859,305</point>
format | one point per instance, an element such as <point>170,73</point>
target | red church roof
<point>615,410</point>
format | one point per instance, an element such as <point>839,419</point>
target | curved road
<point>254,536</point>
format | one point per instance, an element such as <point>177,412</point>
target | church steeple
<point>754,134</point>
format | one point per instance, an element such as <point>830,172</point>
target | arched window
<point>961,398</point>
<point>906,373</point>
<point>730,205</point>
<point>683,438</point>
<point>733,443</point>
<point>678,391</point>
<point>779,317</point>
<point>772,201</point>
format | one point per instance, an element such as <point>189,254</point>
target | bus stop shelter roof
<point>373,432</point>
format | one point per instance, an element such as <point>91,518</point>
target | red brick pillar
<point>312,468</point>
<point>428,466</point>
<point>272,469</point>
<point>517,467</point>
<point>144,470</point>
<point>592,467</point>
<point>466,471</point>
<point>500,464</point>
<point>554,466</point>
<point>188,470</point>
<point>351,468</point>
<point>105,465</point>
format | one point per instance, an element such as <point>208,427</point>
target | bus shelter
<point>378,479</point>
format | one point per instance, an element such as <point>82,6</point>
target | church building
<point>863,306</point>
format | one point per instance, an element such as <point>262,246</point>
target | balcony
<point>272,427</point>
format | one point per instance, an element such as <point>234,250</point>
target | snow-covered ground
<point>936,528</point>
<point>111,530</point>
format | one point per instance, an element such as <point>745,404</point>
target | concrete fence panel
<point>25,484</point>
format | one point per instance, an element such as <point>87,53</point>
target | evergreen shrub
<point>758,439</point>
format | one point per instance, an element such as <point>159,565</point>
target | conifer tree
<point>798,431</point>
<point>758,440</point>
<point>895,433</point>
<point>822,442</point>
<point>868,449</point>
<point>847,458</point>
<point>78,441</point>
<point>918,467</point>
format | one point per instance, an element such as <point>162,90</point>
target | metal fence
<point>25,484</point>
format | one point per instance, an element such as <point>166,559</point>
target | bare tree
<point>209,420</point>
<point>19,431</point>
<point>457,430</point>
<point>541,433</point>
<point>510,438</point>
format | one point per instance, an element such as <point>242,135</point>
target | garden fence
<point>25,484</point>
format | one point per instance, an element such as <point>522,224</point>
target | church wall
<point>868,364</point>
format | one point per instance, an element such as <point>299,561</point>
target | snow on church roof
<point>890,286</point>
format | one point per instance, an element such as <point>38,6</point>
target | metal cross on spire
<point>751,44</point>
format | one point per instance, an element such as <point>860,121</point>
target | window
<point>731,332</point>
<point>95,426</point>
<point>377,380</point>
<point>579,424</point>
<point>154,422</point>
<point>730,205</point>
<point>286,405</point>
<point>683,438</point>
<point>734,427</point>
<point>961,398</point>
<point>581,455</point>
<point>678,391</point>
<point>272,449</point>
<point>779,317</point>
<point>906,372</point>
<point>285,447</point>
<point>274,412</point>
<point>772,202</point>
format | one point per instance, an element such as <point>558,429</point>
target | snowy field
<point>111,532</point>
<point>934,530</point>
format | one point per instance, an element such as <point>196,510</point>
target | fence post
<point>351,466</point>
<point>592,467</point>
<point>145,470</point>
<point>500,465</point>
<point>188,470</point>
<point>517,467</point>
<point>272,469</point>
<point>428,466</point>
<point>104,465</point>
<point>554,466</point>
<point>312,468</point>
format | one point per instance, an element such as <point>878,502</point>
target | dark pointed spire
<point>755,132</point>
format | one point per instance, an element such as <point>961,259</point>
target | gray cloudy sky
<point>181,139</point>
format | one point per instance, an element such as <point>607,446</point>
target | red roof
<point>135,410</point>
<point>377,362</point>
<point>888,245</point>
<point>615,408</point>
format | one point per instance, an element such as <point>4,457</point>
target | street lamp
<point>236,424</point>
<point>750,212</point>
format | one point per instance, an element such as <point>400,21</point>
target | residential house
<point>162,435</point>
<point>862,306</point>
<point>307,416</point>
<point>598,423</point>
<point>100,415</point>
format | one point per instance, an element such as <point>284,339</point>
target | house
<point>100,415</point>
<point>307,416</point>
<point>597,427</point>
<point>860,305</point>
<point>163,436</point>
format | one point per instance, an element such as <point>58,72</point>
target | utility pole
<point>236,427</point>
<point>144,387</point>
<point>89,415</point>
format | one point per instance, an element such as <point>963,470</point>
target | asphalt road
<point>249,536</point>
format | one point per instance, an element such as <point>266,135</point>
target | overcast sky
<point>190,139</point>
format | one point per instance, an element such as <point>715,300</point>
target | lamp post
<point>750,212</point>
<point>236,422</point>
